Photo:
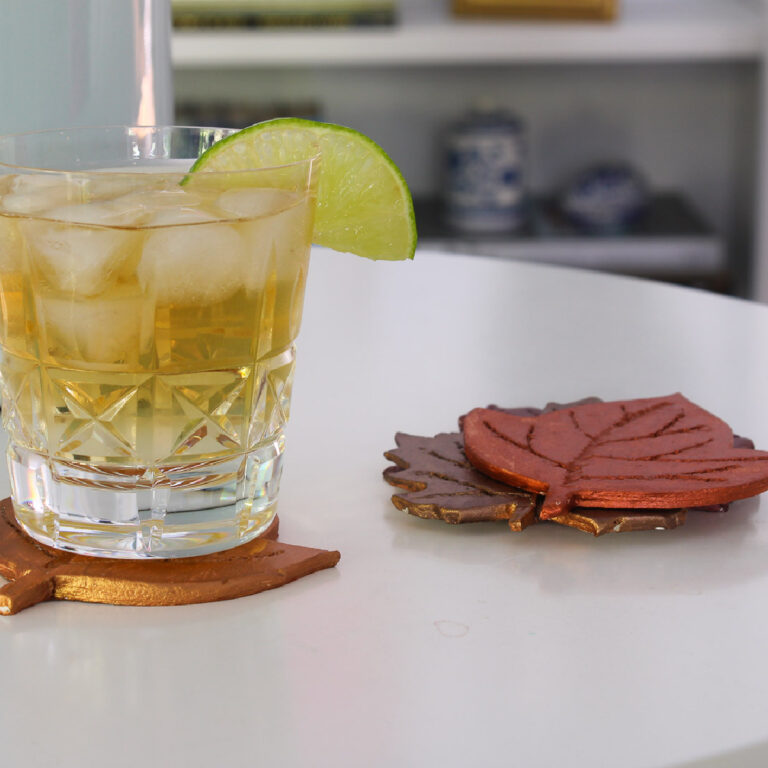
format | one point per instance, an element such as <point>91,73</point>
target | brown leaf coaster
<point>37,572</point>
<point>440,482</point>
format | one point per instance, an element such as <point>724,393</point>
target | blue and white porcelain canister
<point>485,172</point>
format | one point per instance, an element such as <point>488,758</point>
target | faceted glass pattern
<point>229,447</point>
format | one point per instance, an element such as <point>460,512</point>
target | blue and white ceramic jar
<point>485,172</point>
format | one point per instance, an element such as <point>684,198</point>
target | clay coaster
<point>439,482</point>
<point>442,484</point>
<point>37,572</point>
<point>656,453</point>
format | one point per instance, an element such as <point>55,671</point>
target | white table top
<point>429,644</point>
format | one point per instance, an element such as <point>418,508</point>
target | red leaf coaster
<point>658,453</point>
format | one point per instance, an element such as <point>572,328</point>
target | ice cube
<point>107,186</point>
<point>281,242</point>
<point>114,327</point>
<point>34,193</point>
<point>10,245</point>
<point>76,258</point>
<point>150,200</point>
<point>25,183</point>
<point>253,202</point>
<point>175,216</point>
<point>195,264</point>
<point>102,213</point>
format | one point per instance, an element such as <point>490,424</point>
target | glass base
<point>170,511</point>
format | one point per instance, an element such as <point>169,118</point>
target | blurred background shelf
<point>670,241</point>
<point>647,30</point>
<point>674,88</point>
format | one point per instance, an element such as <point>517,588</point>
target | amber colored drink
<point>147,339</point>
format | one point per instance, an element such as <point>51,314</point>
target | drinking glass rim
<point>225,132</point>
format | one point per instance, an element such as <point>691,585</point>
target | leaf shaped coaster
<point>37,572</point>
<point>441,483</point>
<point>658,453</point>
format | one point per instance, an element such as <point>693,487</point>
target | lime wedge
<point>363,203</point>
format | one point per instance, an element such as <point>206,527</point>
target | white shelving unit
<point>669,242</point>
<point>647,30</point>
<point>673,85</point>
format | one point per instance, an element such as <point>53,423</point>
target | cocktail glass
<point>147,337</point>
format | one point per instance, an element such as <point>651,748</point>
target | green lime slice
<point>363,203</point>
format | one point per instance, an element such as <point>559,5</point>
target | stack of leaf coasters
<point>599,467</point>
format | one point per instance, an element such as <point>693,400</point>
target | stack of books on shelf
<point>283,13</point>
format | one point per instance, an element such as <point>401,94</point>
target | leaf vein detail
<point>694,474</point>
<point>575,468</point>
<point>578,427</point>
<point>528,446</point>
<point>632,439</point>
<point>455,462</point>
<point>474,489</point>
<point>658,456</point>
